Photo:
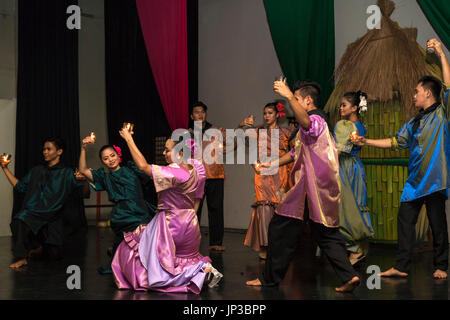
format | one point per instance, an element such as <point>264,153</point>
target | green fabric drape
<point>438,14</point>
<point>303,36</point>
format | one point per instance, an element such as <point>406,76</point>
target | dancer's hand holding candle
<point>93,136</point>
<point>247,122</point>
<point>129,126</point>
<point>125,134</point>
<point>88,140</point>
<point>282,89</point>
<point>357,140</point>
<point>354,135</point>
<point>5,159</point>
<point>78,175</point>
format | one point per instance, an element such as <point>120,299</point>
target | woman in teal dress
<point>124,187</point>
<point>354,218</point>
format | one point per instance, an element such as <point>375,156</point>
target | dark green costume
<point>124,188</point>
<point>40,220</point>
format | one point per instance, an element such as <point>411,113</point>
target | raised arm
<point>434,43</point>
<point>11,178</point>
<point>138,157</point>
<point>300,114</point>
<point>82,166</point>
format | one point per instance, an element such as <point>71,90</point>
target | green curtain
<point>438,14</point>
<point>303,36</point>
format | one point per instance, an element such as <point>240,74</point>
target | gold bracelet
<point>394,144</point>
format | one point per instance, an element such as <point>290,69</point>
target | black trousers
<point>214,199</point>
<point>284,234</point>
<point>24,240</point>
<point>406,229</point>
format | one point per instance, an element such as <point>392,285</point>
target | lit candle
<point>93,136</point>
<point>129,126</point>
<point>5,158</point>
<point>354,135</point>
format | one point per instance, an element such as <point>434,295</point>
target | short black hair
<point>433,84</point>
<point>309,88</point>
<point>199,104</point>
<point>58,142</point>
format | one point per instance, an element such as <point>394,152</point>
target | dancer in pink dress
<point>164,255</point>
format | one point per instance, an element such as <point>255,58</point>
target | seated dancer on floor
<point>164,255</point>
<point>124,187</point>
<point>38,226</point>
<point>427,137</point>
<point>314,198</point>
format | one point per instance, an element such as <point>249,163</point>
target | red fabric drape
<point>164,27</point>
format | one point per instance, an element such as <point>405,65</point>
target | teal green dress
<point>47,190</point>
<point>354,217</point>
<point>124,188</point>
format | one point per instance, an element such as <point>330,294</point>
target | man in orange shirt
<point>214,186</point>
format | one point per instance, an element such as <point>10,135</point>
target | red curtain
<point>164,27</point>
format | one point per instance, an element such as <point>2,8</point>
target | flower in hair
<point>119,152</point>
<point>280,109</point>
<point>362,104</point>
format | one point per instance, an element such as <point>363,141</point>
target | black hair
<point>355,97</point>
<point>272,105</point>
<point>106,146</point>
<point>198,104</point>
<point>58,142</point>
<point>309,88</point>
<point>433,84</point>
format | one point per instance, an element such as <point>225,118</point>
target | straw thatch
<point>386,63</point>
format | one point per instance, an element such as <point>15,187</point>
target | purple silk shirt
<point>315,175</point>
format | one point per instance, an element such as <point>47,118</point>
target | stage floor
<point>308,277</point>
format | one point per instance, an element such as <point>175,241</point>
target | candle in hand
<point>129,126</point>
<point>5,158</point>
<point>93,136</point>
<point>354,135</point>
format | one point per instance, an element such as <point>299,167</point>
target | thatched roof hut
<point>385,63</point>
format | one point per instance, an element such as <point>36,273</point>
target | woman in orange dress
<point>268,188</point>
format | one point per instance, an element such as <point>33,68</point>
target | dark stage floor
<point>308,277</point>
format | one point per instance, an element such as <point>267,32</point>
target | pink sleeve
<point>166,177</point>
<point>201,172</point>
<point>318,125</point>
<point>292,153</point>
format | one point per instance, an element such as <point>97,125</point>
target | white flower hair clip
<point>362,104</point>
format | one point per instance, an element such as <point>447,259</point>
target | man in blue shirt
<point>427,137</point>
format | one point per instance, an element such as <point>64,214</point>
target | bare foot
<point>392,272</point>
<point>439,274</point>
<point>254,283</point>
<point>18,264</point>
<point>262,255</point>
<point>208,269</point>
<point>349,286</point>
<point>217,248</point>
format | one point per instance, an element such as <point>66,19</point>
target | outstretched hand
<point>358,140</point>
